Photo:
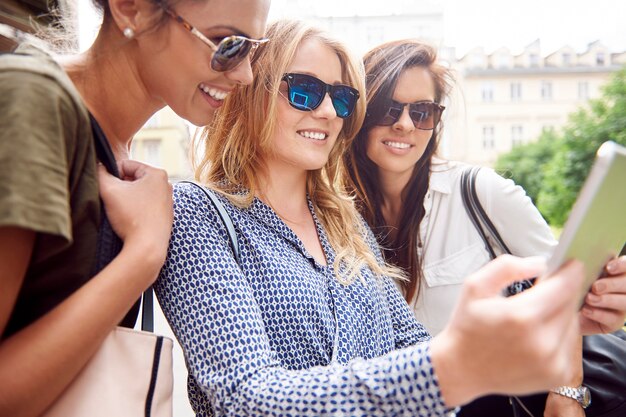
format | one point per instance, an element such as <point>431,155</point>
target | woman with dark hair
<point>58,298</point>
<point>412,199</point>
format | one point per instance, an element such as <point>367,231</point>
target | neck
<point>108,81</point>
<point>391,187</point>
<point>285,193</point>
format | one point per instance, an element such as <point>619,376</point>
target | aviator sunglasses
<point>306,93</point>
<point>424,114</point>
<point>229,52</point>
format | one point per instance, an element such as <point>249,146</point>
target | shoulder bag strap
<point>147,318</point>
<point>479,217</point>
<point>477,213</point>
<point>228,222</point>
<point>468,192</point>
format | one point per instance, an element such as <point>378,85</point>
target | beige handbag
<point>130,375</point>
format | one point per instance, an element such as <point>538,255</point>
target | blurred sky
<point>487,23</point>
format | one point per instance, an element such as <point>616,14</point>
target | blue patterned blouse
<point>278,335</point>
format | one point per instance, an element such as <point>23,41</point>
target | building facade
<point>164,142</point>
<point>510,99</point>
<point>371,23</point>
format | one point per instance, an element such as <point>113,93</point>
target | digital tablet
<point>596,228</point>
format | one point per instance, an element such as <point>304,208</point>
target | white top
<point>452,249</point>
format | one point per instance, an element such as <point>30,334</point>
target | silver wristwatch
<point>580,394</point>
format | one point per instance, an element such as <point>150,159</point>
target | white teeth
<point>397,145</point>
<point>214,92</point>
<point>313,135</point>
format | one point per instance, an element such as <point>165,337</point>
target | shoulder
<point>490,184</point>
<point>445,175</point>
<point>32,79</point>
<point>193,206</point>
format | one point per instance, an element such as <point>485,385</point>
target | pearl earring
<point>129,33</point>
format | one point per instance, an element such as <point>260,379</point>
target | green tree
<point>525,164</point>
<point>604,119</point>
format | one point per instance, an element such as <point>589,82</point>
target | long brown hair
<point>242,131</point>
<point>383,66</point>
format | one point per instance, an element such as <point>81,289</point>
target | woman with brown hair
<point>412,198</point>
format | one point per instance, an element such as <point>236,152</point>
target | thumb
<point>105,179</point>
<point>503,271</point>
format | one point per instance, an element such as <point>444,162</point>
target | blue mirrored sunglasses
<point>306,93</point>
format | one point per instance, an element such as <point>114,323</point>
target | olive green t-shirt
<point>48,180</point>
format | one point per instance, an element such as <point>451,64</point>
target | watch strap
<point>580,394</point>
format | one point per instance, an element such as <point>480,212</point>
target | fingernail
<point>599,286</point>
<point>611,266</point>
<point>593,298</point>
<point>587,311</point>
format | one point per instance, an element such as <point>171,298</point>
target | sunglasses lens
<point>344,100</point>
<point>305,92</point>
<point>392,116</point>
<point>423,115</point>
<point>230,52</point>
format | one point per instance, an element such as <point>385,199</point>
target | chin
<point>201,121</point>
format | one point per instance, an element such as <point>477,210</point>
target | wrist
<point>146,257</point>
<point>456,383</point>
<point>579,394</point>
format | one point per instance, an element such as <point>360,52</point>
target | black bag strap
<point>224,216</point>
<point>109,244</point>
<point>479,218</point>
<point>477,213</point>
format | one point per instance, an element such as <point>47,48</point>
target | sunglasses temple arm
<point>203,38</point>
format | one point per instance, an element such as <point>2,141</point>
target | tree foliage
<point>553,169</point>
<point>525,164</point>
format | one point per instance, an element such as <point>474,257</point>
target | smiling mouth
<point>312,135</point>
<point>214,93</point>
<point>397,145</point>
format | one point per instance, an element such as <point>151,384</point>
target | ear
<point>135,14</point>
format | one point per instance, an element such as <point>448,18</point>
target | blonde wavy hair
<point>241,134</point>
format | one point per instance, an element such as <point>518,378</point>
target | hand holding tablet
<point>596,228</point>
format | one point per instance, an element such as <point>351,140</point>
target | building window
<point>516,91</point>
<point>152,152</point>
<point>583,90</point>
<point>517,135</point>
<point>546,90</point>
<point>534,60</point>
<point>600,58</point>
<point>487,92</point>
<point>567,59</point>
<point>488,137</point>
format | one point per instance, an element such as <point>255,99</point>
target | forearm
<point>399,383</point>
<point>38,362</point>
<point>560,406</point>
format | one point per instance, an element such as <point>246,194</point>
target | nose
<point>326,110</point>
<point>404,122</point>
<point>242,73</point>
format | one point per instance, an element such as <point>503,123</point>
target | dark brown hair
<point>383,66</point>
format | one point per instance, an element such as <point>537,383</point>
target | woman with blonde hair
<point>308,320</point>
